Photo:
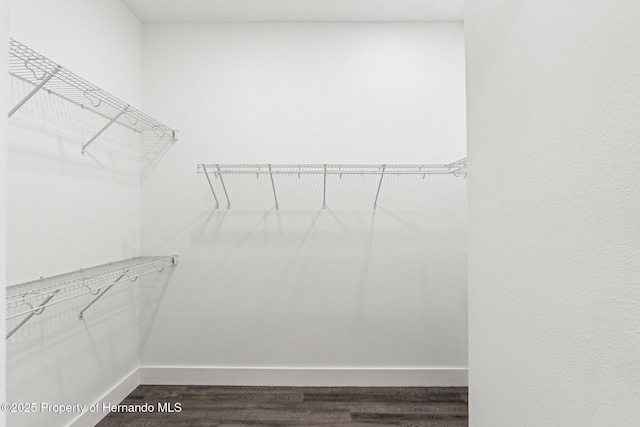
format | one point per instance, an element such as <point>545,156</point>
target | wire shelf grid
<point>31,67</point>
<point>458,169</point>
<point>80,282</point>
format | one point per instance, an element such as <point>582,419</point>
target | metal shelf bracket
<point>375,203</point>
<point>206,174</point>
<point>273,187</point>
<point>224,188</point>
<point>35,312</point>
<point>45,79</point>
<point>459,168</point>
<point>324,189</point>
<point>100,295</point>
<point>116,117</point>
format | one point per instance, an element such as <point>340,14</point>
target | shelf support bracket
<point>273,187</point>
<point>86,144</point>
<point>223,187</point>
<point>211,186</point>
<point>459,168</point>
<point>375,204</point>
<point>324,189</point>
<point>101,294</point>
<point>35,312</point>
<point>33,92</point>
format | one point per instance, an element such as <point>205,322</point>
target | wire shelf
<point>458,169</point>
<point>35,69</point>
<point>31,298</point>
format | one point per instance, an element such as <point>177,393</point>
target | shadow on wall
<point>152,292</point>
<point>307,286</point>
<point>414,204</point>
<point>153,148</point>
<point>57,358</point>
<point>63,205</point>
<point>61,128</point>
<point>409,239</point>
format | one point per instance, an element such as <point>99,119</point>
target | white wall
<point>61,203</point>
<point>301,287</point>
<point>67,211</point>
<point>4,96</point>
<point>554,137</point>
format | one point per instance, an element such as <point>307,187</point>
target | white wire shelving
<point>35,69</point>
<point>457,169</point>
<point>32,298</point>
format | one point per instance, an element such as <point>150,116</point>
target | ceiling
<point>297,10</point>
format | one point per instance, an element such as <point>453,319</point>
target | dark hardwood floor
<point>294,406</point>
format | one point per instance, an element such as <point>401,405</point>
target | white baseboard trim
<point>300,377</point>
<point>113,396</point>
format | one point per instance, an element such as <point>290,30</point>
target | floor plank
<point>226,406</point>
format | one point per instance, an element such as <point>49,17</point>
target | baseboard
<point>113,396</point>
<point>328,377</point>
<point>312,377</point>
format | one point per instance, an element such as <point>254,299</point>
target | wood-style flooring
<point>296,406</point>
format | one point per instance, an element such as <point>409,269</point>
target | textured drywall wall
<point>553,110</point>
